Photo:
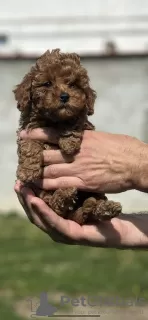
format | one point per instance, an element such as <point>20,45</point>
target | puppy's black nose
<point>64,97</point>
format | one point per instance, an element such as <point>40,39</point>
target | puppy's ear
<point>22,93</point>
<point>91,97</point>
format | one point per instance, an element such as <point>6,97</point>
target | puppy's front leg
<point>70,142</point>
<point>30,160</point>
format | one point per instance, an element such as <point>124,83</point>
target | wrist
<point>140,170</point>
<point>133,231</point>
<point>129,231</point>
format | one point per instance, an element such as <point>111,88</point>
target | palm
<point>69,232</point>
<point>56,226</point>
<point>62,230</point>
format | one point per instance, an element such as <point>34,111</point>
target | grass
<point>31,263</point>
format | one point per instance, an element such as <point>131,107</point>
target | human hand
<point>108,163</point>
<point>67,231</point>
<point>126,231</point>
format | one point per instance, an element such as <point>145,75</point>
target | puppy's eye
<point>47,84</point>
<point>72,85</point>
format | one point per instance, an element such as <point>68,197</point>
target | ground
<point>31,263</point>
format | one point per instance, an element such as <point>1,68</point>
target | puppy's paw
<point>106,210</point>
<point>79,216</point>
<point>63,201</point>
<point>70,145</point>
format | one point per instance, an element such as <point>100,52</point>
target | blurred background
<point>112,38</point>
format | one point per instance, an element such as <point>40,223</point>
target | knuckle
<point>63,183</point>
<point>52,172</point>
<point>48,158</point>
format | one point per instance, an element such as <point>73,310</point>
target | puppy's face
<point>59,87</point>
<point>58,91</point>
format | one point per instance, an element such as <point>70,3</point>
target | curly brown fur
<point>56,93</point>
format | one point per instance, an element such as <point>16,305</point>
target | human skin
<point>106,163</point>
<point>109,163</point>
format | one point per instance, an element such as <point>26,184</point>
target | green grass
<point>31,263</point>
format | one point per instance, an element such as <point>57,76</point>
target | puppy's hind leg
<point>94,211</point>
<point>101,209</point>
<point>106,210</point>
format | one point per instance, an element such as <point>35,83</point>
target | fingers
<point>25,196</point>
<point>55,157</point>
<point>43,134</point>
<point>59,229</point>
<point>64,182</point>
<point>58,170</point>
<point>66,228</point>
<point>17,189</point>
<point>35,219</point>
